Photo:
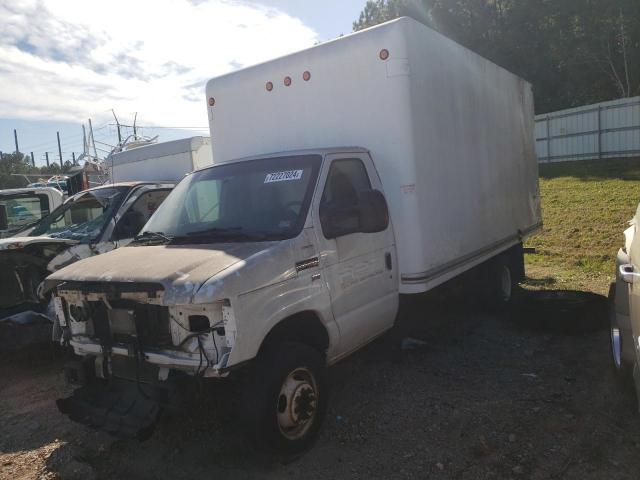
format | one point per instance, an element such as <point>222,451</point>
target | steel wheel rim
<point>297,404</point>
<point>616,347</point>
<point>505,283</point>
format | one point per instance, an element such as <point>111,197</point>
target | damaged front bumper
<point>132,348</point>
<point>131,321</point>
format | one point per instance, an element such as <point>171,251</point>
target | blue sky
<point>62,62</point>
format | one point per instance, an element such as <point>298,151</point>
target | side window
<point>139,213</point>
<point>338,213</point>
<point>345,180</point>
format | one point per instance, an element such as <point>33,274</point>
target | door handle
<point>628,274</point>
<point>387,261</point>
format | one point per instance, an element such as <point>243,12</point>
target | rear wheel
<point>499,283</point>
<point>285,399</point>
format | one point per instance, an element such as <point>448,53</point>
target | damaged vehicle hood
<point>181,270</point>
<point>13,243</point>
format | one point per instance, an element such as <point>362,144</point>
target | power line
<point>176,128</point>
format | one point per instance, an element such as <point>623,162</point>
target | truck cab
<point>241,259</point>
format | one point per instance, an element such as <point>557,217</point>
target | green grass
<point>585,208</point>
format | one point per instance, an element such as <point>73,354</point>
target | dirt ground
<point>484,398</point>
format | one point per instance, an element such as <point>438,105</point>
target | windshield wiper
<point>235,233</point>
<point>214,231</point>
<point>148,235</point>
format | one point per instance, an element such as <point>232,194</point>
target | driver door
<point>359,268</point>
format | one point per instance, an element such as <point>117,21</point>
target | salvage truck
<point>347,178</point>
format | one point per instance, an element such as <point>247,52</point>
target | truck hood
<point>14,243</point>
<point>180,269</point>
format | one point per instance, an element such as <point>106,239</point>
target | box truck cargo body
<point>382,163</point>
<point>166,161</point>
<point>450,134</point>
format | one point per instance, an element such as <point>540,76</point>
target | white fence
<point>603,130</point>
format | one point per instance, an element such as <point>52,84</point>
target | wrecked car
<point>88,223</point>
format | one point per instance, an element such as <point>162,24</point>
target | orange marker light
<point>287,81</point>
<point>269,86</point>
<point>384,54</point>
<point>306,76</point>
<point>212,101</point>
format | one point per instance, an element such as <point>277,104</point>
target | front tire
<point>285,399</point>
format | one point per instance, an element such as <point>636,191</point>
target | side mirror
<point>4,220</point>
<point>374,214</point>
<point>369,215</point>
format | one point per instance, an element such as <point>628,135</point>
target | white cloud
<point>67,60</point>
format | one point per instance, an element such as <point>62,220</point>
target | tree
<point>14,165</point>
<point>574,52</point>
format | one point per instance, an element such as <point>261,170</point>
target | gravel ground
<point>482,398</point>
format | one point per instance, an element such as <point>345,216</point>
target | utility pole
<point>60,150</point>
<point>1,155</point>
<point>118,125</point>
<point>33,159</point>
<point>47,155</point>
<point>135,132</point>
<point>84,141</point>
<point>73,154</point>
<point>93,142</point>
<point>15,136</point>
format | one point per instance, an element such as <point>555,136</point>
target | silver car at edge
<point>624,298</point>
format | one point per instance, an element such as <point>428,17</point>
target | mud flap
<point>120,409</point>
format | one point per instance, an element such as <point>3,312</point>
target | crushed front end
<point>134,351</point>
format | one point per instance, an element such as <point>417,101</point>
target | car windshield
<point>83,217</point>
<point>23,210</point>
<point>252,200</point>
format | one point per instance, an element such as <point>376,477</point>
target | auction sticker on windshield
<point>283,176</point>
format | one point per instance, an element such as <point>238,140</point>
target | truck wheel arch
<point>302,327</point>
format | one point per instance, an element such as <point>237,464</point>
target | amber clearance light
<point>212,101</point>
<point>287,81</point>
<point>384,54</point>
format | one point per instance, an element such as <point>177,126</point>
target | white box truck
<point>167,160</point>
<point>382,163</point>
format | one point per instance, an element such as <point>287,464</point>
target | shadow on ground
<point>483,395</point>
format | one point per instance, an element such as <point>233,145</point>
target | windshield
<point>82,218</point>
<point>263,199</point>
<point>22,210</point>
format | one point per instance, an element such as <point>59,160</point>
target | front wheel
<point>285,399</point>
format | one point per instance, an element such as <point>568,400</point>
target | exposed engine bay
<point>114,320</point>
<point>133,350</point>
